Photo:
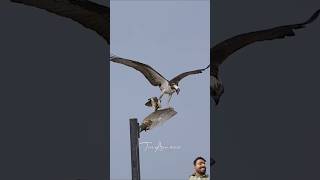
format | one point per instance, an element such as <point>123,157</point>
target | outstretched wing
<point>221,51</point>
<point>176,79</point>
<point>155,78</point>
<point>89,14</point>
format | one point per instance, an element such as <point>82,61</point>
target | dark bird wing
<point>221,51</point>
<point>89,14</point>
<point>155,78</point>
<point>185,74</point>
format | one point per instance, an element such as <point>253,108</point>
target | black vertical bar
<point>134,139</point>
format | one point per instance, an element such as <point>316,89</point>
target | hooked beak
<point>148,103</point>
<point>177,90</point>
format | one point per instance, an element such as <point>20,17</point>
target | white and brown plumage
<point>220,52</point>
<point>89,14</point>
<point>155,78</point>
<point>154,102</point>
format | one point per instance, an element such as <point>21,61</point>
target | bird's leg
<point>170,95</point>
<point>162,93</point>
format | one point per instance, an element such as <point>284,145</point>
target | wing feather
<point>89,14</point>
<point>223,50</point>
<point>185,74</point>
<point>155,78</point>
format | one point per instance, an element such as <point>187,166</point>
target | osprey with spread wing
<point>155,78</point>
<point>220,52</point>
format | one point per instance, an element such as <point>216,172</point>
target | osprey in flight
<point>220,52</point>
<point>89,14</point>
<point>97,18</point>
<point>155,78</point>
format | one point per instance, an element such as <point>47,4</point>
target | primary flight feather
<point>155,78</point>
<point>89,14</point>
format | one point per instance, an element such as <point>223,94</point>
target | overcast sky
<point>172,37</point>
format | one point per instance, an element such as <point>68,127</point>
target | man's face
<point>200,167</point>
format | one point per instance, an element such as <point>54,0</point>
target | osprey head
<point>176,88</point>
<point>148,103</point>
<point>153,102</point>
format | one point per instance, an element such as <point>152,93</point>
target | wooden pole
<point>134,139</point>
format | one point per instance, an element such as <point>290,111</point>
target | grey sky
<point>172,37</point>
